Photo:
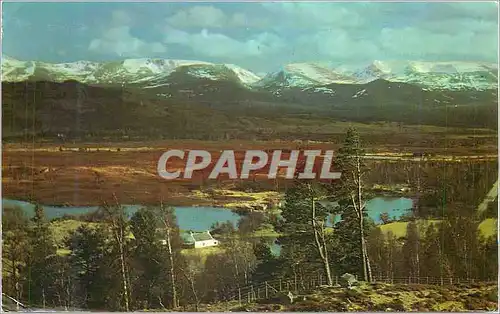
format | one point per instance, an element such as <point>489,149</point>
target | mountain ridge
<point>147,72</point>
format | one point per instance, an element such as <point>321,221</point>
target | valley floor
<point>85,174</point>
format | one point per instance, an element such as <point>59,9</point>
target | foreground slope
<point>378,297</point>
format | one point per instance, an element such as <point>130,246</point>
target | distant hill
<point>206,109</point>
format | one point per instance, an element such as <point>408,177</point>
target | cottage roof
<point>202,236</point>
<point>192,237</point>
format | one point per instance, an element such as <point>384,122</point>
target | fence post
<point>248,294</point>
<point>336,280</point>
<point>451,281</point>
<point>427,279</point>
<point>280,285</point>
<point>267,295</point>
<point>442,280</point>
<point>253,293</point>
<point>295,283</point>
<point>239,295</point>
<point>458,280</point>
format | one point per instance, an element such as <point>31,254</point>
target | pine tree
<point>89,267</point>
<point>351,192</point>
<point>346,252</point>
<point>377,250</point>
<point>433,259</point>
<point>152,258</point>
<point>15,251</point>
<point>305,213</point>
<point>41,260</point>
<point>411,250</point>
<point>119,227</point>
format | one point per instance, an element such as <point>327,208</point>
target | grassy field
<point>487,227</point>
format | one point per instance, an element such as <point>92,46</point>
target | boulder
<point>348,280</point>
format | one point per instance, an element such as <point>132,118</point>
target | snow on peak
<point>434,75</point>
<point>449,67</point>
<point>156,66</point>
<point>245,76</point>
<point>139,70</point>
<point>305,75</point>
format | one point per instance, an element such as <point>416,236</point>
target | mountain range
<point>151,73</point>
<point>156,98</point>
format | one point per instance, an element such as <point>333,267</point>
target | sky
<point>260,36</point>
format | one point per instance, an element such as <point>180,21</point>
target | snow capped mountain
<point>433,75</point>
<point>304,75</point>
<point>129,71</point>
<point>148,72</point>
<point>379,70</point>
<point>15,70</point>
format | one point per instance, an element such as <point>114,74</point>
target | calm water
<point>395,207</point>
<point>188,218</point>
<point>202,218</point>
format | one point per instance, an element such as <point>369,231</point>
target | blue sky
<point>258,36</point>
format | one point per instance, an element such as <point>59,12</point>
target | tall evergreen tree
<point>41,260</point>
<point>411,250</point>
<point>153,258</point>
<point>15,251</point>
<point>89,267</point>
<point>350,190</point>
<point>118,222</point>
<point>306,212</point>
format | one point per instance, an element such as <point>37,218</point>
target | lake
<point>202,218</point>
<point>188,218</point>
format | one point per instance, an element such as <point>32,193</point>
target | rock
<point>348,280</point>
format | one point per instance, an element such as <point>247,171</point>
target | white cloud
<point>314,15</point>
<point>212,17</point>
<point>202,16</point>
<point>299,32</point>
<point>120,17</point>
<point>221,46</point>
<point>364,31</point>
<point>338,44</point>
<point>118,40</point>
<point>413,42</point>
<point>467,10</point>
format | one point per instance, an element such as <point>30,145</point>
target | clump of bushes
<point>394,306</point>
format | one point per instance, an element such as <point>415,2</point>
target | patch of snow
<point>245,76</point>
<point>158,85</point>
<point>360,93</point>
<point>203,73</point>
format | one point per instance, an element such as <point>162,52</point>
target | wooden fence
<point>268,289</point>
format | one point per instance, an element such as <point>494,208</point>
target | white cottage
<point>199,239</point>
